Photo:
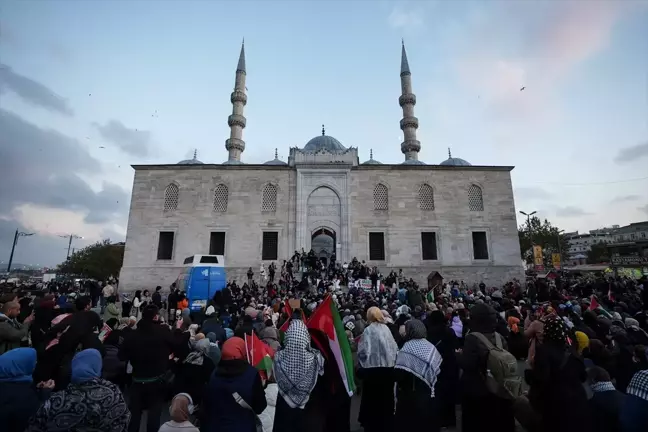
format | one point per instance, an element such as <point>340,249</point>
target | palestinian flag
<point>596,306</point>
<point>326,318</point>
<point>259,355</point>
<point>289,311</point>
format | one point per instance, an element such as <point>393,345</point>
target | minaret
<point>235,144</point>
<point>410,145</point>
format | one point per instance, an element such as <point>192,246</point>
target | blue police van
<point>201,278</point>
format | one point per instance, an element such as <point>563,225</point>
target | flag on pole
<point>594,304</point>
<point>259,355</point>
<point>289,311</point>
<point>326,318</point>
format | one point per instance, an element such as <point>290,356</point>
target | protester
<point>234,396</point>
<point>181,409</point>
<point>12,333</point>
<point>377,356</point>
<point>88,403</point>
<point>605,403</point>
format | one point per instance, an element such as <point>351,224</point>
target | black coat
<point>377,403</point>
<point>606,411</point>
<point>147,349</point>
<point>18,402</point>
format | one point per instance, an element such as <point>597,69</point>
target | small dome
<point>232,162</point>
<point>454,161</point>
<point>276,161</point>
<point>371,160</point>
<point>193,161</point>
<point>324,142</point>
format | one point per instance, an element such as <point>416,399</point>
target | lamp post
<point>528,215</point>
<point>13,248</point>
<point>71,236</point>
<point>560,247</point>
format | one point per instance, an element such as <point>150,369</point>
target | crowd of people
<point>544,355</point>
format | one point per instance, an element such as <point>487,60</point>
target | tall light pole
<point>528,215</point>
<point>71,236</point>
<point>560,247</point>
<point>13,248</point>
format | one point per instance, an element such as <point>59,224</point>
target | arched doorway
<point>323,242</point>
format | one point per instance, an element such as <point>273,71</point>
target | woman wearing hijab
<point>181,408</point>
<point>418,364</point>
<point>137,305</point>
<point>480,409</point>
<point>234,396</point>
<point>19,398</point>
<point>556,381</point>
<point>195,371</point>
<point>376,357</point>
<point>445,389</point>
<point>297,368</point>
<point>88,403</point>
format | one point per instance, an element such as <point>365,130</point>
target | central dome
<point>324,142</point>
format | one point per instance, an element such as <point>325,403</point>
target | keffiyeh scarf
<point>377,347</point>
<point>420,358</point>
<point>602,386</point>
<point>297,366</point>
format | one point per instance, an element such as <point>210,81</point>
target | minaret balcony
<point>234,143</point>
<point>238,96</point>
<point>236,120</point>
<point>410,145</point>
<point>409,122</point>
<point>407,99</point>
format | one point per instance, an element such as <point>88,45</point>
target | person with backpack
<point>556,391</point>
<point>489,384</point>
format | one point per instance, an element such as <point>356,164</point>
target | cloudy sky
<point>89,88</point>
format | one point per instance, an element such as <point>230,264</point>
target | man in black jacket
<point>156,298</point>
<point>148,349</point>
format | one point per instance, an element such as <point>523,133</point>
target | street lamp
<point>560,247</point>
<point>528,215</point>
<point>13,248</point>
<point>70,236</point>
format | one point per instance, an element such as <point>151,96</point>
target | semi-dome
<point>371,160</point>
<point>276,160</point>
<point>324,142</point>
<point>454,161</point>
<point>193,161</point>
<point>413,162</point>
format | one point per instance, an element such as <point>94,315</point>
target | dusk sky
<point>88,88</point>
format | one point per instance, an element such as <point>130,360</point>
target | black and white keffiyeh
<point>377,347</point>
<point>297,366</point>
<point>419,357</point>
<point>639,385</point>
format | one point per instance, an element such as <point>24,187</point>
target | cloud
<point>132,141</point>
<point>43,167</point>
<point>570,211</point>
<point>402,19</point>
<point>532,193</point>
<point>631,154</point>
<point>625,198</point>
<point>32,91</point>
<point>643,209</point>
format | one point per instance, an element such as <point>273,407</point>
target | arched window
<point>475,198</point>
<point>171,197</point>
<point>220,198</point>
<point>426,197</point>
<point>269,201</point>
<point>381,197</point>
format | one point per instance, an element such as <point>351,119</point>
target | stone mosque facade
<point>453,217</point>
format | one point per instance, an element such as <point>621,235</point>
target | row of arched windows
<point>221,198</point>
<point>426,197</point>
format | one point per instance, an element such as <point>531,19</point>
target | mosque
<point>454,218</point>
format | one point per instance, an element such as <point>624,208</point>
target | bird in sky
<point>522,88</point>
<point>102,147</point>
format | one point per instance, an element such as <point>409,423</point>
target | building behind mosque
<point>454,217</point>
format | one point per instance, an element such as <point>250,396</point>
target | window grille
<point>426,197</point>
<point>269,202</point>
<point>171,197</point>
<point>220,198</point>
<point>381,197</point>
<point>475,198</point>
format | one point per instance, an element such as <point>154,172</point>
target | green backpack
<point>502,378</point>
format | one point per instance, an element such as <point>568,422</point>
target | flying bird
<point>102,147</point>
<point>522,88</point>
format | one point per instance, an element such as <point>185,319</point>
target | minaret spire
<point>449,154</point>
<point>195,154</point>
<point>410,145</point>
<point>237,121</point>
<point>276,154</point>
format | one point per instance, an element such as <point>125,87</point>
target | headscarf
<point>214,353</point>
<point>229,333</point>
<point>377,347</point>
<point>555,331</point>
<point>212,337</point>
<point>17,365</point>
<point>583,341</point>
<point>297,366</point>
<point>179,409</point>
<point>513,324</point>
<point>86,366</point>
<point>387,316</point>
<point>374,315</point>
<point>639,385</point>
<point>483,318</point>
<point>201,349</point>
<point>631,322</point>
<point>418,356</point>
<point>457,326</point>
<point>234,349</point>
